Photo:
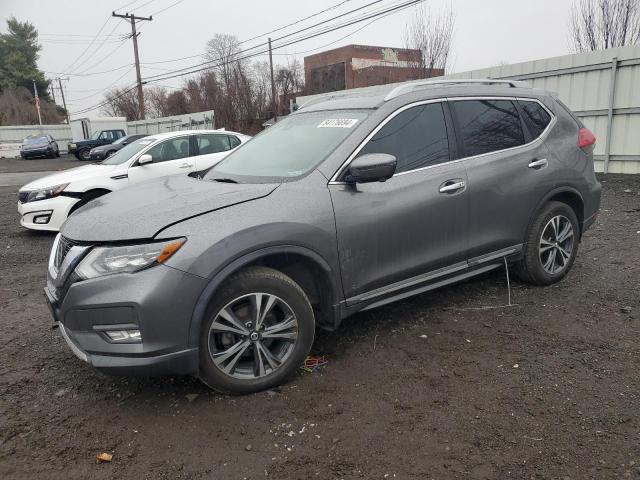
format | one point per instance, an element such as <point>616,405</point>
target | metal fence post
<point>612,92</point>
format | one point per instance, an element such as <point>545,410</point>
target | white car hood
<point>78,174</point>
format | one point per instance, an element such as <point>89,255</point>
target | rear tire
<point>551,245</point>
<point>266,319</point>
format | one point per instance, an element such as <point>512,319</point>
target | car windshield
<point>35,140</point>
<point>127,152</point>
<point>290,148</point>
<point>120,140</point>
<point>96,135</point>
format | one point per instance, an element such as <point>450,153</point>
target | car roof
<point>416,91</point>
<point>192,132</point>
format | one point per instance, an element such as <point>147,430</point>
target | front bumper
<point>38,152</point>
<point>53,211</point>
<point>158,301</point>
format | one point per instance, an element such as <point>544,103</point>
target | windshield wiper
<point>224,180</point>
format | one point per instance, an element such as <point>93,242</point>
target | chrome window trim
<point>350,158</point>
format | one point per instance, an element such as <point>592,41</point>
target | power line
<point>95,51</point>
<point>377,14</point>
<point>279,38</point>
<point>90,43</point>
<point>368,16</point>
<point>104,88</point>
<point>167,8</point>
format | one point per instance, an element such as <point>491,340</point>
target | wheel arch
<point>568,195</point>
<point>306,267</point>
<point>98,191</point>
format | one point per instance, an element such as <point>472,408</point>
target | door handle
<point>538,163</point>
<point>186,165</point>
<point>451,186</point>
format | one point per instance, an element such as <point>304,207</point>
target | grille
<point>64,245</point>
<point>22,196</point>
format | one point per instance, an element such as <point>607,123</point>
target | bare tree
<point>600,24</point>
<point>432,34</point>
<point>122,102</point>
<point>289,79</point>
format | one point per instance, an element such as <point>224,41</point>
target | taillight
<point>585,138</point>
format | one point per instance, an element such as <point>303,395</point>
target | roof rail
<point>408,87</point>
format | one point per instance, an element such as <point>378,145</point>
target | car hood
<point>142,211</point>
<point>85,172</point>
<point>102,148</point>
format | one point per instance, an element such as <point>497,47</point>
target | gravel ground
<point>15,165</point>
<point>432,387</point>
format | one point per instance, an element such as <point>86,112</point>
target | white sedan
<point>45,204</point>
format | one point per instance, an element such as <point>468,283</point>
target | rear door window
<point>417,137</point>
<point>487,125</point>
<point>173,149</point>
<point>536,116</point>
<point>208,144</point>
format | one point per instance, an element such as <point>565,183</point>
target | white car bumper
<point>47,214</point>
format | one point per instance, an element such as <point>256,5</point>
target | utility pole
<point>53,92</point>
<point>66,112</point>
<point>37,99</point>
<point>273,86</point>
<point>132,18</point>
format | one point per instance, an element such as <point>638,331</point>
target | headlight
<point>45,193</point>
<point>126,259</point>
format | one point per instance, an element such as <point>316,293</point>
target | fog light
<point>41,219</point>
<point>124,335</point>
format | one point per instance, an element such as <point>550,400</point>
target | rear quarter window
<point>536,117</point>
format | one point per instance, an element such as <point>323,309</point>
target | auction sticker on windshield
<point>338,123</point>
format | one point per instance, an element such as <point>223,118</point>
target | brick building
<point>354,66</point>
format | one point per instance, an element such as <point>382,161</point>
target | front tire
<point>257,333</point>
<point>551,245</point>
<point>84,154</point>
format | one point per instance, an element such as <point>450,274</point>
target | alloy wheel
<point>556,244</point>
<point>252,336</point>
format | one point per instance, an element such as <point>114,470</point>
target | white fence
<point>602,88</point>
<point>11,137</point>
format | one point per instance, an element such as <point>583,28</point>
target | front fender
<point>200,308</point>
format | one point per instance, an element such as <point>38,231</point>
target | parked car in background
<point>345,205</point>
<point>82,148</point>
<point>39,146</point>
<point>45,204</point>
<point>104,151</point>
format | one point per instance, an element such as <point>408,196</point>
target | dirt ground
<point>431,387</point>
<point>15,165</point>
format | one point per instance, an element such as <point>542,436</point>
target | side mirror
<point>124,143</point>
<point>372,167</point>
<point>144,159</point>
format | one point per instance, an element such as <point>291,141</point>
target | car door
<point>509,170</point>
<point>169,157</point>
<point>392,233</point>
<point>212,147</point>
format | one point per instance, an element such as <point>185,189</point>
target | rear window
<point>488,125</point>
<point>536,116</point>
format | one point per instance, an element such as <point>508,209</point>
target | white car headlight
<point>126,259</point>
<point>45,193</point>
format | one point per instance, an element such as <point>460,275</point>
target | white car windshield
<point>125,154</point>
<point>290,148</point>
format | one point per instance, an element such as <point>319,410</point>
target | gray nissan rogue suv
<point>349,203</point>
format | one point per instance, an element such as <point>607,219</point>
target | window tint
<point>488,125</point>
<point>235,141</point>
<point>170,150</point>
<point>212,144</point>
<point>417,137</point>
<point>536,116</point>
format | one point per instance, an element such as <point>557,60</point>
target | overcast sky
<point>487,33</point>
